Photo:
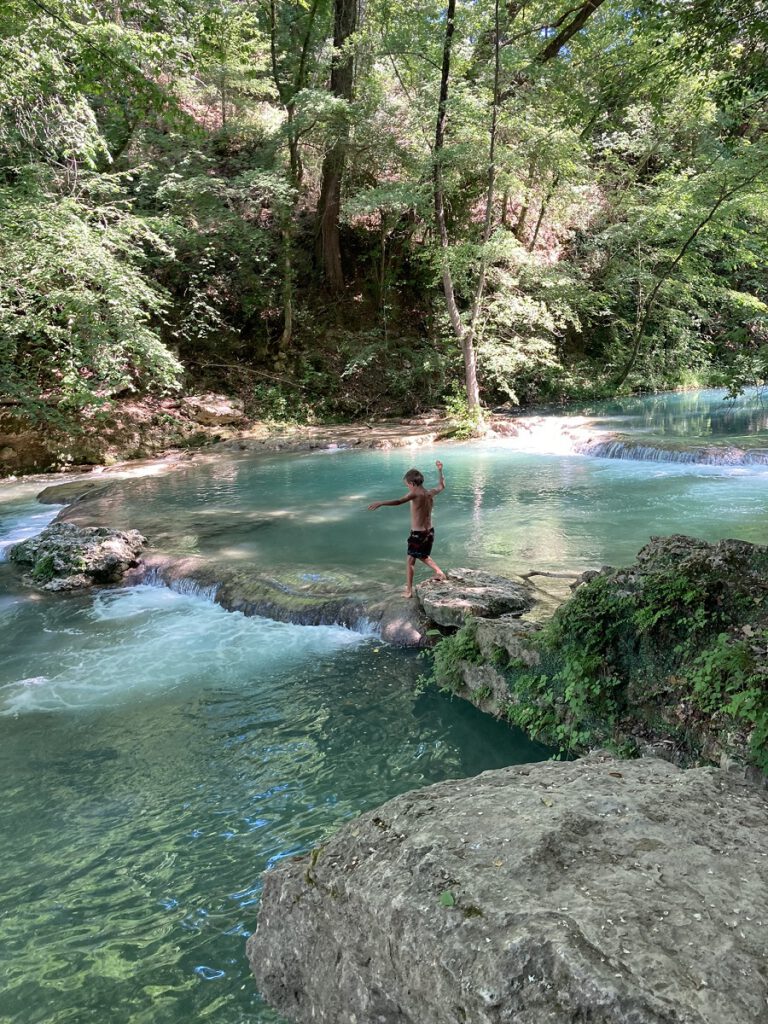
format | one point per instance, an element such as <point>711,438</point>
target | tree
<point>345,19</point>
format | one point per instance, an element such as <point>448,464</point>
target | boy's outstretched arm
<point>440,479</point>
<point>395,501</point>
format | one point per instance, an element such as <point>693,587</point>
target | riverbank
<point>667,657</point>
<point>133,431</point>
<point>141,431</point>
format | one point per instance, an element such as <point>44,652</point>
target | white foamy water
<point>145,642</point>
<point>25,521</point>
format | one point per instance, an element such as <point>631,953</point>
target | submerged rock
<point>307,599</point>
<point>472,592</point>
<point>596,890</point>
<point>71,493</point>
<point>68,557</point>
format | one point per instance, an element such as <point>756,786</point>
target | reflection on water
<point>502,510</point>
<point>697,416</point>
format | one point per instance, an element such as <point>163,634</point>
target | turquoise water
<point>698,417</point>
<point>158,753</point>
<point>501,510</point>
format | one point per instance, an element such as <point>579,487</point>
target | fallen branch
<point>555,575</point>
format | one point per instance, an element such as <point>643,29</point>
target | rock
<point>68,557</point>
<point>469,592</point>
<point>510,635</point>
<point>402,623</point>
<point>595,890</point>
<point>70,493</point>
<point>308,599</point>
<point>213,410</point>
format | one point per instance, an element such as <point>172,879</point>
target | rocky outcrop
<point>471,592</point>
<point>308,599</point>
<point>68,557</point>
<point>325,598</point>
<point>213,410</point>
<point>668,656</point>
<point>401,622</point>
<point>596,890</point>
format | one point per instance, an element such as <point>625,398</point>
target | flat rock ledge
<point>598,890</point>
<point>68,557</point>
<point>472,592</point>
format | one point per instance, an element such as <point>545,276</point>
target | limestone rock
<point>473,592</point>
<point>402,623</point>
<point>596,890</point>
<point>70,493</point>
<point>213,410</point>
<point>68,557</point>
<point>511,635</point>
<point>308,599</point>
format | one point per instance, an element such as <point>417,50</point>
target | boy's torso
<point>421,511</point>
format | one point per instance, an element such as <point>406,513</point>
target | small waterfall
<point>707,456</point>
<point>154,577</point>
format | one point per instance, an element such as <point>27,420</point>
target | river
<point>159,753</point>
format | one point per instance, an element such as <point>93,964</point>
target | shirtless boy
<point>422,533</point>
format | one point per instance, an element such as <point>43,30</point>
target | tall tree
<point>345,22</point>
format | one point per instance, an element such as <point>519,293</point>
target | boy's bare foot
<point>407,593</point>
<point>439,577</point>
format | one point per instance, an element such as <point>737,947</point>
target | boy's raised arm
<point>395,501</point>
<point>441,479</point>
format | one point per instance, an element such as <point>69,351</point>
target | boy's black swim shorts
<point>420,543</point>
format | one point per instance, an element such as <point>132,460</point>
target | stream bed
<point>159,753</point>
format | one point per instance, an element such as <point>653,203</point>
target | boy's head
<point>414,478</point>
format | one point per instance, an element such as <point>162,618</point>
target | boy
<point>422,533</point>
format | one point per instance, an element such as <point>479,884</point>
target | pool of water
<point>502,509</point>
<point>158,753</point>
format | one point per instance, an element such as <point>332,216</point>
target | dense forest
<point>346,209</point>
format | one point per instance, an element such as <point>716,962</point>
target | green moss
<point>448,655</point>
<point>44,569</point>
<point>627,653</point>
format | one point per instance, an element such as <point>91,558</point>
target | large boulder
<point>472,592</point>
<point>596,890</point>
<point>69,557</point>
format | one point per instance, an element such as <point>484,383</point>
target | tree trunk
<point>329,205</point>
<point>467,347</point>
<point>519,229</point>
<point>543,211</point>
<point>287,94</point>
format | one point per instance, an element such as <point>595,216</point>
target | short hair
<point>413,476</point>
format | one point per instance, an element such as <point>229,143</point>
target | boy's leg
<point>439,574</point>
<point>410,561</point>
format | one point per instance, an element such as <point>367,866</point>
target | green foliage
<point>449,653</point>
<point>44,569</point>
<point>176,151</point>
<point>664,639</point>
<point>579,700</point>
<point>464,424</point>
<point>77,313</point>
<point>729,678</point>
